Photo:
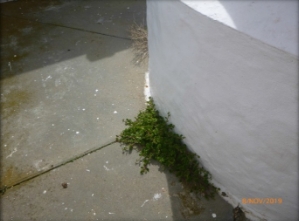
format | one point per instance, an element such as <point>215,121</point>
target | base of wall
<point>147,91</point>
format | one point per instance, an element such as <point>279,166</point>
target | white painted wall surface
<point>234,98</point>
<point>273,22</point>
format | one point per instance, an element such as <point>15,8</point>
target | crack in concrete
<point>52,167</point>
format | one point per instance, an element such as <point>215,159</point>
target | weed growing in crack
<point>154,138</point>
<point>138,34</point>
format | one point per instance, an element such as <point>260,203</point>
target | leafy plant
<point>154,138</point>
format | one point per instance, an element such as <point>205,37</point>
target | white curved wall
<point>234,98</point>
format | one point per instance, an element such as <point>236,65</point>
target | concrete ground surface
<point>68,78</point>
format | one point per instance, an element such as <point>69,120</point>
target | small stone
<point>224,194</point>
<point>64,185</point>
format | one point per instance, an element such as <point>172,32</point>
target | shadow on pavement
<point>35,34</point>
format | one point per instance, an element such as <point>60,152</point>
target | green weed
<point>154,138</point>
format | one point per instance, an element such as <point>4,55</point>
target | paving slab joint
<point>74,28</point>
<point>52,167</point>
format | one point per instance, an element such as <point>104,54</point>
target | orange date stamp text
<point>261,200</point>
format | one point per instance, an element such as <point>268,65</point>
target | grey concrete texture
<point>67,81</point>
<point>62,90</point>
<point>105,185</point>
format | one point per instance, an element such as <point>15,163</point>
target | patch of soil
<point>190,204</point>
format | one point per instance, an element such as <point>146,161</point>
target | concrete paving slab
<point>106,185</point>
<point>63,91</point>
